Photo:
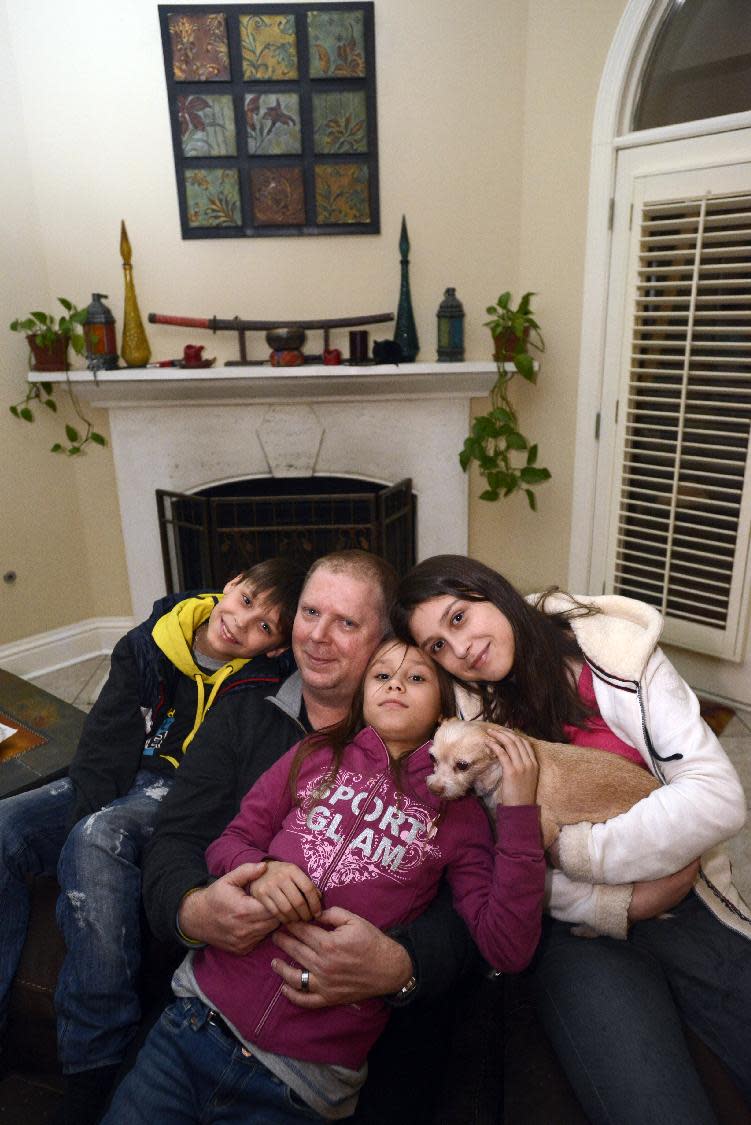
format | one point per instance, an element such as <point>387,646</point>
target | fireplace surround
<point>186,432</point>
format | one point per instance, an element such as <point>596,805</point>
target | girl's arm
<point>499,890</point>
<point>246,839</point>
<point>701,804</point>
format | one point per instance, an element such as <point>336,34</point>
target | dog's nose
<point>435,786</point>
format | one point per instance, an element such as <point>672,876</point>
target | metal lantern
<point>450,328</point>
<point>99,333</point>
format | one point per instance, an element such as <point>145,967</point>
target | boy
<point>165,675</point>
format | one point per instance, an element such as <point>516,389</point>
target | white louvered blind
<point>681,541</point>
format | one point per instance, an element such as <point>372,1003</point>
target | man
<point>342,614</point>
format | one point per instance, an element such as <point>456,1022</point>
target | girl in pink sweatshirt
<point>346,819</point>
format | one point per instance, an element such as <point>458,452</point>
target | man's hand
<point>286,892</point>
<point>349,961</point>
<point>658,895</point>
<point>223,914</point>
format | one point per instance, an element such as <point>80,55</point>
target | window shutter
<point>680,539</point>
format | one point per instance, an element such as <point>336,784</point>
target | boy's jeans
<point>190,1069</point>
<point>99,909</point>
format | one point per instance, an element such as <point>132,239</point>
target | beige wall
<point>485,113</point>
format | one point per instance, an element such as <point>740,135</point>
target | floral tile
<point>212,197</point>
<point>278,196</point>
<point>269,47</point>
<point>340,121</point>
<point>207,125</point>
<point>336,44</point>
<point>200,49</point>
<point>342,194</point>
<point>273,124</point>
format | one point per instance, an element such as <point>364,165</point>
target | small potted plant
<point>503,454</point>
<point>48,337</point>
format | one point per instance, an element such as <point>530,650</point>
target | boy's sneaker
<point>85,1096</point>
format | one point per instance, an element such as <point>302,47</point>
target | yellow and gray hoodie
<point>153,672</point>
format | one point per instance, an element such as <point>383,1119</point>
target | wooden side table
<point>47,739</point>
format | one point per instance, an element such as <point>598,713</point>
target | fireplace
<point>215,533</point>
<point>186,432</point>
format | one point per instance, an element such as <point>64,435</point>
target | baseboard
<point>59,648</point>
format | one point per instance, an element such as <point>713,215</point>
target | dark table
<point>50,729</point>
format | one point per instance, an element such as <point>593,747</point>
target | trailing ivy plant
<point>46,329</point>
<point>504,456</point>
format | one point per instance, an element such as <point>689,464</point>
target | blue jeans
<point>192,1070</point>
<point>614,1012</point>
<point>98,911</point>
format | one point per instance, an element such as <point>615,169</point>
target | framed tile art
<point>273,117</point>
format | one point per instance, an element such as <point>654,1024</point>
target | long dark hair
<point>339,735</point>
<point>538,696</point>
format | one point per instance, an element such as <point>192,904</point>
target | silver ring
<point>304,980</point>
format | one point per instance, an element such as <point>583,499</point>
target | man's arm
<point>353,960</point>
<point>237,741</point>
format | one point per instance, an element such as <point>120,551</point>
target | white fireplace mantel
<point>184,431</point>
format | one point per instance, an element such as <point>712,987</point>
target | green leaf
<point>72,434</point>
<point>51,405</point>
<point>484,427</point>
<point>65,303</point>
<point>516,440</point>
<point>98,439</point>
<point>42,318</point>
<point>501,415</point>
<point>464,459</point>
<point>532,454</point>
<point>532,499</point>
<point>56,448</point>
<point>78,344</point>
<point>525,365</point>
<point>26,414</point>
<point>74,449</point>
<point>46,387</point>
<point>14,411</point>
<point>534,476</point>
<point>489,494</point>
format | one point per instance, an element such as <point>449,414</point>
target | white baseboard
<point>59,648</point>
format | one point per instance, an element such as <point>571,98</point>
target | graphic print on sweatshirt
<point>368,827</point>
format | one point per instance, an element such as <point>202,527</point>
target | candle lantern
<point>450,328</point>
<point>99,333</point>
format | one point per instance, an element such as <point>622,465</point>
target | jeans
<point>192,1070</point>
<point>614,1012</point>
<point>98,911</point>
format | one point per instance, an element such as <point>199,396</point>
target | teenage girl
<point>588,671</point>
<point>343,820</point>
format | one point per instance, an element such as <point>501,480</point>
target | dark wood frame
<point>304,86</point>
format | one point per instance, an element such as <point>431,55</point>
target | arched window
<point>699,65</point>
<point>671,507</point>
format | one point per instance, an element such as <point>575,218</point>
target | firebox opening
<point>215,533</point>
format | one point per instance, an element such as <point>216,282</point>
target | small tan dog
<point>574,784</point>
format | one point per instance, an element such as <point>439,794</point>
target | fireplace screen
<point>210,536</point>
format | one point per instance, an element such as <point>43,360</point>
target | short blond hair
<point>365,567</point>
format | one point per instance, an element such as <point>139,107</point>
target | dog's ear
<point>451,719</point>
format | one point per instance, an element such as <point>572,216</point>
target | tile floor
<point>81,683</point>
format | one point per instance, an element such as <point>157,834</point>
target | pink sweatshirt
<point>379,850</point>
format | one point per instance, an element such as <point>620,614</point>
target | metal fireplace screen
<point>210,536</point>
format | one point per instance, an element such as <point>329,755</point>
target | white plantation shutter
<point>681,487</point>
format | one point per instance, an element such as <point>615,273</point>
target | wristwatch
<point>407,989</point>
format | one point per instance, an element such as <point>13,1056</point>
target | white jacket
<point>645,702</point>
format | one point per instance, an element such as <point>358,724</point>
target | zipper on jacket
<point>338,852</point>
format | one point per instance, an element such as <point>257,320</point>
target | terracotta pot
<point>506,345</point>
<point>53,357</point>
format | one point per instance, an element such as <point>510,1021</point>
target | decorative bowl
<point>284,339</point>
